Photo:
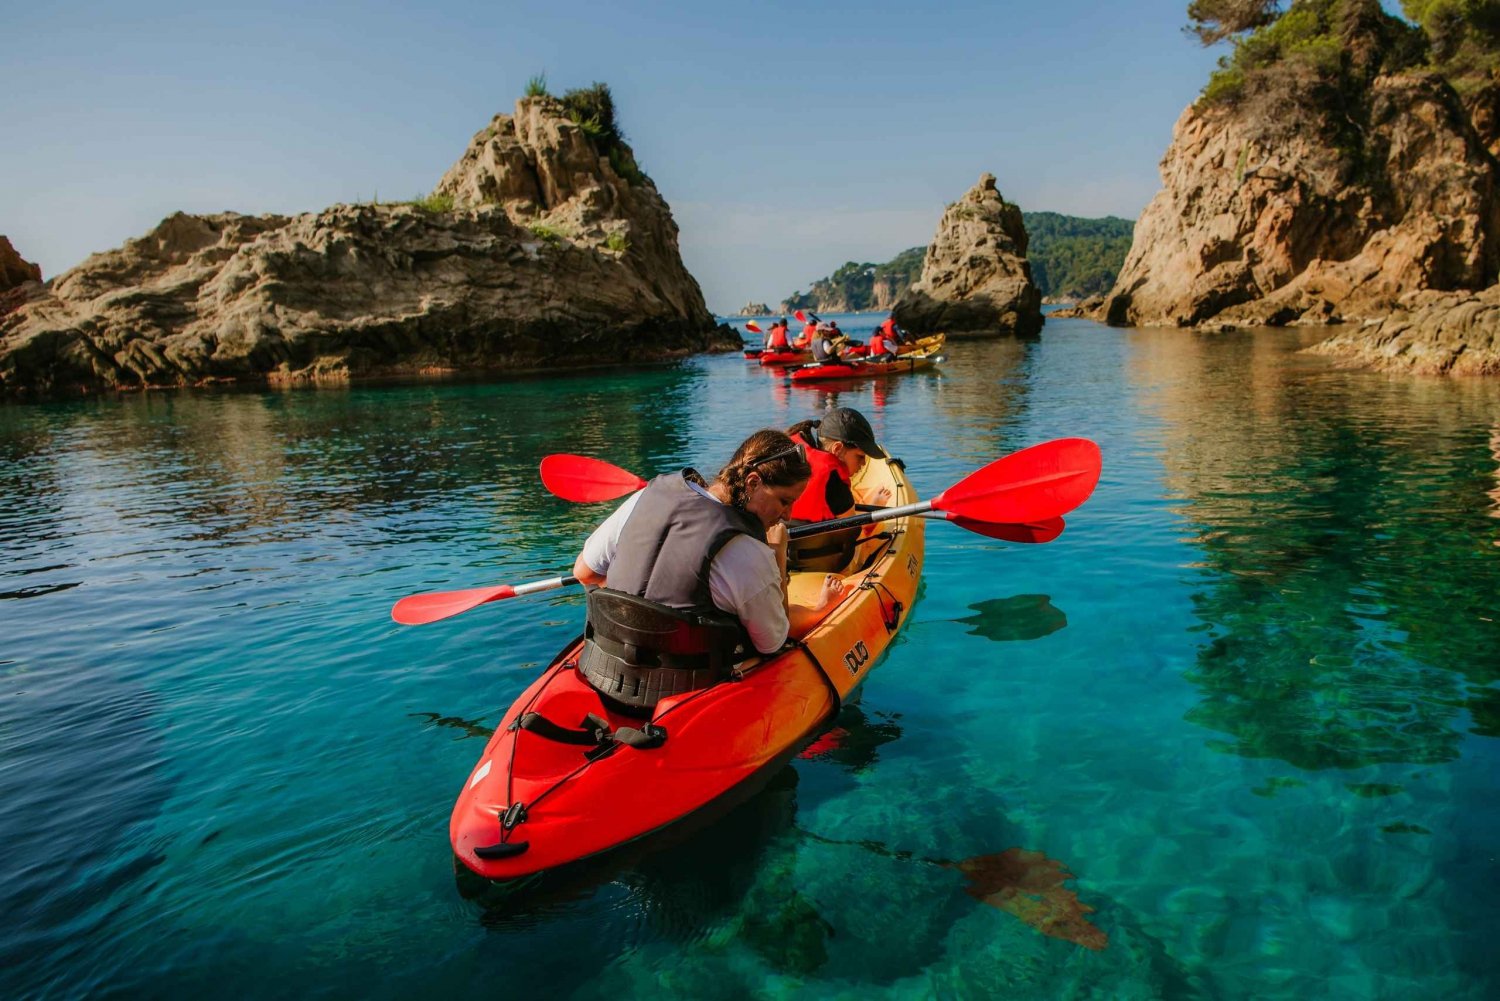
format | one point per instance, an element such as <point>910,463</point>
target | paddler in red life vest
<point>882,344</point>
<point>804,340</point>
<point>837,447</point>
<point>776,337</point>
<point>686,577</point>
<point>893,333</point>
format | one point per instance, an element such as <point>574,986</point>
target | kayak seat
<point>637,652</point>
<point>829,551</point>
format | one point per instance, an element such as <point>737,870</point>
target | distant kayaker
<point>776,337</point>
<point>882,345</point>
<point>684,575</point>
<point>892,332</point>
<point>805,339</point>
<point>837,446</point>
<point>827,345</point>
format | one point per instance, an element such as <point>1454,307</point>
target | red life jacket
<point>881,341</point>
<point>777,340</point>
<point>806,337</point>
<point>888,328</point>
<point>813,504</point>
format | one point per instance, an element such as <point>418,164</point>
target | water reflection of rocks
<point>1345,551</point>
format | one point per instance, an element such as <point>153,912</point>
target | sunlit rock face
<point>1312,203</point>
<point>975,279</point>
<point>1295,224</point>
<point>533,252</point>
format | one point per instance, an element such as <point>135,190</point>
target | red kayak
<point>863,370</point>
<point>566,776</point>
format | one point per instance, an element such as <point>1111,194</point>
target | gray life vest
<point>653,629</point>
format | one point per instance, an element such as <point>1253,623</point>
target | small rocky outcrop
<point>755,309</point>
<point>534,251</point>
<point>13,269</point>
<point>975,278</point>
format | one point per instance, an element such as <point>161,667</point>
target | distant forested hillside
<point>856,287</point>
<point>1071,258</point>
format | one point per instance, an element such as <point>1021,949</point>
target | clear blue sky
<point>788,138</point>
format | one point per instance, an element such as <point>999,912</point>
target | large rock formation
<point>975,279</point>
<point>536,250</point>
<point>1350,190</point>
<point>1269,215</point>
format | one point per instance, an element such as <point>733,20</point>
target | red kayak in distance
<point>865,370</point>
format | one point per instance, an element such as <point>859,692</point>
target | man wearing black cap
<point>837,447</point>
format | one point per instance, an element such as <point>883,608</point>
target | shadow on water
<point>854,740</point>
<point>748,877</point>
<point>468,727</point>
<point>1021,617</point>
<point>76,844</point>
<point>725,873</point>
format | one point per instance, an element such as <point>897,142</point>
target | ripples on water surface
<point>1250,699</point>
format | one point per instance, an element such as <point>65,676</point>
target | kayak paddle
<point>1030,489</point>
<point>1032,486</point>
<point>418,609</point>
<point>583,480</point>
<point>753,327</point>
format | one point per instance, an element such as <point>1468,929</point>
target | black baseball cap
<point>849,426</point>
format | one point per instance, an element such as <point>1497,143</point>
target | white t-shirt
<point>743,578</point>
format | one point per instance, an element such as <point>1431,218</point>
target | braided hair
<point>770,453</point>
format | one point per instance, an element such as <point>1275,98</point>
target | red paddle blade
<point>800,317</point>
<point>419,609</point>
<point>583,480</point>
<point>753,327</point>
<point>1036,531</point>
<point>1035,484</point>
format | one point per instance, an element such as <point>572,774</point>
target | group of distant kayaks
<point>854,361</point>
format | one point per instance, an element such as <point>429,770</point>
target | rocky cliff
<point>537,249</point>
<point>1258,225</point>
<point>1340,181</point>
<point>975,279</point>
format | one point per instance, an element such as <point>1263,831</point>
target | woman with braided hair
<point>702,568</point>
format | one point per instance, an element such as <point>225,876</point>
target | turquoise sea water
<point>1250,699</point>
